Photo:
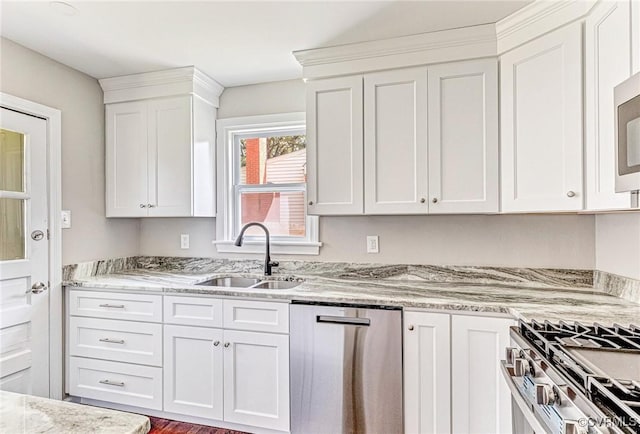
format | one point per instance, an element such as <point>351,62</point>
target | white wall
<point>618,244</point>
<point>27,74</point>
<point>516,240</point>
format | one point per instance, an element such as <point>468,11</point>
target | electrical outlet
<point>373,245</point>
<point>66,219</point>
<point>184,241</point>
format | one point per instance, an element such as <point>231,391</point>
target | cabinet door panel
<point>193,371</point>
<point>256,379</point>
<point>607,64</point>
<point>170,171</point>
<point>427,373</point>
<point>463,137</point>
<point>541,123</point>
<point>334,146</point>
<point>481,401</point>
<point>126,159</point>
<point>395,110</point>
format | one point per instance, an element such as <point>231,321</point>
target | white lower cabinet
<point>452,374</point>
<point>193,372</point>
<point>256,379</point>
<point>223,360</point>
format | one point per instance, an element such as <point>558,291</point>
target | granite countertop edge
<point>519,301</point>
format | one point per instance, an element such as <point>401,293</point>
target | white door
<point>335,146</point>
<point>256,379</point>
<point>463,137</point>
<point>541,123</point>
<point>24,276</point>
<point>427,373</point>
<point>126,155</point>
<point>608,39</point>
<point>193,382</point>
<point>169,147</point>
<point>480,398</point>
<point>395,142</point>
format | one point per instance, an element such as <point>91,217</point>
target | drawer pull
<point>115,306</point>
<point>112,383</point>
<point>112,341</point>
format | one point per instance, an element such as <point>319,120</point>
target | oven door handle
<point>524,406</point>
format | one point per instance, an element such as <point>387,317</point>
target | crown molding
<point>434,47</point>
<point>170,82</point>
<point>538,18</point>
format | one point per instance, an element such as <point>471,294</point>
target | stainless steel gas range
<point>570,378</point>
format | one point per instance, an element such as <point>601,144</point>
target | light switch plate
<point>184,241</point>
<point>373,245</point>
<point>66,219</point>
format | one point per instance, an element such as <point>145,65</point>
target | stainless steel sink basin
<point>231,281</point>
<point>276,284</point>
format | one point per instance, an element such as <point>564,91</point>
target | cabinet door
<point>427,373</point>
<point>193,371</point>
<point>463,137</point>
<point>480,398</point>
<point>256,379</point>
<point>126,159</point>
<point>335,146</point>
<point>607,64</point>
<point>169,126</point>
<point>395,142</point>
<point>541,123</point>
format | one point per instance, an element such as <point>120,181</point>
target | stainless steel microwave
<point>627,123</point>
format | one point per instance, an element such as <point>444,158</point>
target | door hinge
<point>48,234</point>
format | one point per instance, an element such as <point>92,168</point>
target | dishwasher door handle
<point>344,320</point>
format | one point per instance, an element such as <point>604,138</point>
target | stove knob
<point>520,366</point>
<point>546,395</point>
<point>511,354</point>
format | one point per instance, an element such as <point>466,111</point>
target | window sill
<point>277,247</point>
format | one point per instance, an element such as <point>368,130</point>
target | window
<point>262,160</point>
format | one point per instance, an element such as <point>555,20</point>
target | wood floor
<point>166,426</point>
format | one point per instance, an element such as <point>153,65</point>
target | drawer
<point>197,311</point>
<point>116,382</point>
<point>120,341</point>
<point>114,305</point>
<point>261,316</point>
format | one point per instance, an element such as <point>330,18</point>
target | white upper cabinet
<point>126,159</point>
<point>608,45</point>
<point>395,142</point>
<point>160,144</point>
<point>463,137</point>
<point>335,146</point>
<point>541,123</point>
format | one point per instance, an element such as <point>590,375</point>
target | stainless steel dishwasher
<point>346,369</point>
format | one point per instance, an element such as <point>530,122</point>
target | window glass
<point>283,213</point>
<point>273,160</point>
<point>12,239</point>
<point>11,161</point>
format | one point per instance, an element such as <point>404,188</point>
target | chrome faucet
<point>268,263</point>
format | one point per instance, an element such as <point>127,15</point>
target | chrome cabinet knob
<point>150,205</point>
<point>410,327</point>
<point>216,343</point>
<point>423,200</point>
<point>38,287</point>
<point>226,344</point>
<point>571,193</point>
<point>434,200</point>
<point>142,205</point>
<point>546,395</point>
<point>310,202</point>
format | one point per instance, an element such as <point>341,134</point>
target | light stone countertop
<point>34,415</point>
<point>530,302</point>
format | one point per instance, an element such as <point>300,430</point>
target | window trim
<point>227,131</point>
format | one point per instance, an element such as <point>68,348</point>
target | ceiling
<point>235,42</point>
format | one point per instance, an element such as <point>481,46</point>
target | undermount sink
<point>276,284</point>
<point>247,283</point>
<point>234,282</point>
